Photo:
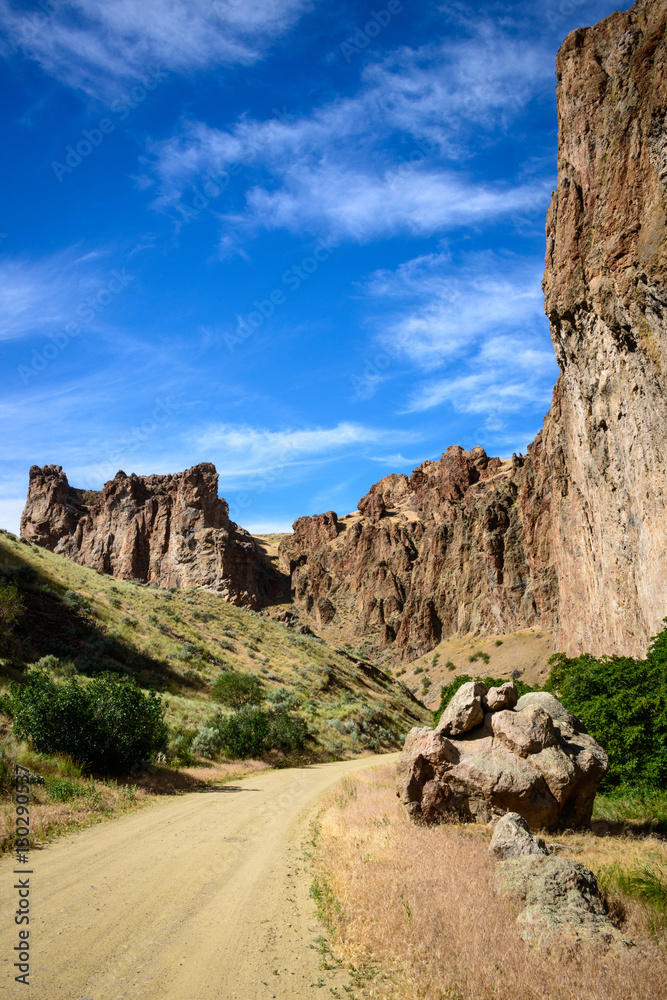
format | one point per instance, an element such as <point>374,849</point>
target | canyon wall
<point>571,535</point>
<point>172,531</point>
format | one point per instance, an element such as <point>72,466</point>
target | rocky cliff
<point>572,535</point>
<point>173,531</point>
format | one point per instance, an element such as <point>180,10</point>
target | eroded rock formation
<point>571,535</point>
<point>478,763</point>
<point>173,531</point>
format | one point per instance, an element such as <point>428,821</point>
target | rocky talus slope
<point>570,536</point>
<point>173,531</point>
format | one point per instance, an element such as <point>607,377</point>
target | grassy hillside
<point>179,642</point>
<point>522,655</point>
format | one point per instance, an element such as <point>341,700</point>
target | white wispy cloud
<point>242,450</point>
<point>90,44</point>
<point>388,159</point>
<point>39,295</point>
<point>481,319</point>
<point>449,307</point>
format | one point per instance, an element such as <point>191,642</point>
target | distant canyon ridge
<point>570,536</point>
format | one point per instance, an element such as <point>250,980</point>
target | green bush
<point>11,609</point>
<point>206,743</point>
<point>282,698</point>
<point>74,600</point>
<point>252,731</point>
<point>235,690</point>
<point>109,724</point>
<point>187,652</point>
<point>623,704</point>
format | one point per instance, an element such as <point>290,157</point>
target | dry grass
<point>412,910</point>
<point>92,802</point>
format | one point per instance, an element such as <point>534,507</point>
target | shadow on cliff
<point>51,626</point>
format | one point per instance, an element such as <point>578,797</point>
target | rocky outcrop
<point>561,904</point>
<point>173,531</point>
<point>571,535</point>
<point>459,546</point>
<point>535,760</point>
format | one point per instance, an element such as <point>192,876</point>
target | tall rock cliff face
<point>571,536</point>
<point>173,531</point>
<point>606,298</point>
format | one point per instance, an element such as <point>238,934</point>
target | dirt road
<point>201,896</point>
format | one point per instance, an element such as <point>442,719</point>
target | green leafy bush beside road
<point>108,724</point>
<point>623,704</point>
<point>235,690</point>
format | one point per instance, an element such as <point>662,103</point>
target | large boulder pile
<point>494,753</point>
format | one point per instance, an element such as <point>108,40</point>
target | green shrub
<point>206,743</point>
<point>252,731</point>
<point>129,622</point>
<point>235,690</point>
<point>152,619</point>
<point>244,734</point>
<point>109,724</point>
<point>479,655</point>
<point>282,698</point>
<point>187,652</point>
<point>63,789</point>
<point>498,642</point>
<point>11,609</point>
<point>74,600</point>
<point>115,602</point>
<point>623,704</point>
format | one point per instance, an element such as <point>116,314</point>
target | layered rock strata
<point>173,531</point>
<point>479,763</point>
<point>572,534</point>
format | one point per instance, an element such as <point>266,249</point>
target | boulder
<point>561,902</point>
<point>535,760</point>
<point>512,838</point>
<point>504,696</point>
<point>464,710</point>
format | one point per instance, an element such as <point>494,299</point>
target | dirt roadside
<point>203,896</point>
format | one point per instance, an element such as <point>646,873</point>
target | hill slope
<point>180,641</point>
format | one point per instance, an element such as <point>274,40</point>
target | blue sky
<point>303,241</point>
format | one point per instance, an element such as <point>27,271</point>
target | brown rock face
<point>572,535</point>
<point>458,546</point>
<point>173,531</point>
<point>535,760</point>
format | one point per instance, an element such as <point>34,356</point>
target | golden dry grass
<point>413,911</point>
